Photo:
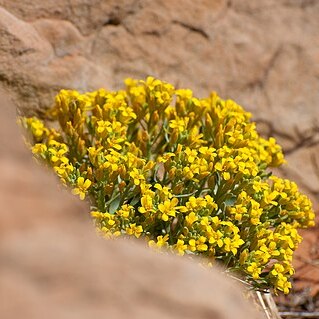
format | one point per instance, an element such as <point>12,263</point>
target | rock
<point>53,265</point>
<point>30,195</point>
<point>57,274</point>
<point>64,38</point>
<point>306,263</point>
<point>263,55</point>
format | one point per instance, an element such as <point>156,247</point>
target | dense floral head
<point>188,174</point>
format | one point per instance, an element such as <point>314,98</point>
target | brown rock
<point>70,274</point>
<point>62,35</point>
<point>29,195</point>
<point>306,263</point>
<point>264,54</point>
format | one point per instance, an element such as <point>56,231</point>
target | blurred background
<point>262,54</point>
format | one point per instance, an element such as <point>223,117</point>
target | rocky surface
<point>305,294</point>
<point>52,264</point>
<point>264,55</point>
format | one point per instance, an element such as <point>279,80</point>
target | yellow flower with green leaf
<point>189,174</point>
<point>82,187</point>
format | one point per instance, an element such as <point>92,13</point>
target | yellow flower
<point>95,155</point>
<point>125,211</point>
<point>191,218</point>
<point>192,244</point>
<point>147,149</point>
<point>36,126</point>
<point>163,191</point>
<point>104,127</point>
<point>134,230</point>
<point>282,283</point>
<point>179,124</point>
<point>243,256</point>
<point>137,177</point>
<point>180,246</point>
<point>82,187</point>
<point>201,246</point>
<point>231,244</point>
<point>226,176</point>
<point>161,242</point>
<point>147,204</point>
<point>168,208</point>
<point>198,244</point>
<point>269,198</point>
<point>277,269</point>
<point>190,154</point>
<point>127,114</point>
<point>64,169</point>
<point>254,270</point>
<point>165,157</point>
<point>58,156</point>
<point>39,148</point>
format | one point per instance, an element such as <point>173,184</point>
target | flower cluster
<point>185,173</point>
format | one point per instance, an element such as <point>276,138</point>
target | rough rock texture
<point>307,262</point>
<point>52,265</point>
<point>263,54</point>
<point>29,196</point>
<point>48,273</point>
<point>305,295</point>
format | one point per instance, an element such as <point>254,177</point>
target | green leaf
<point>230,201</point>
<point>135,200</point>
<point>114,205</point>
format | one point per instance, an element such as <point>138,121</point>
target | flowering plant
<point>187,174</point>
